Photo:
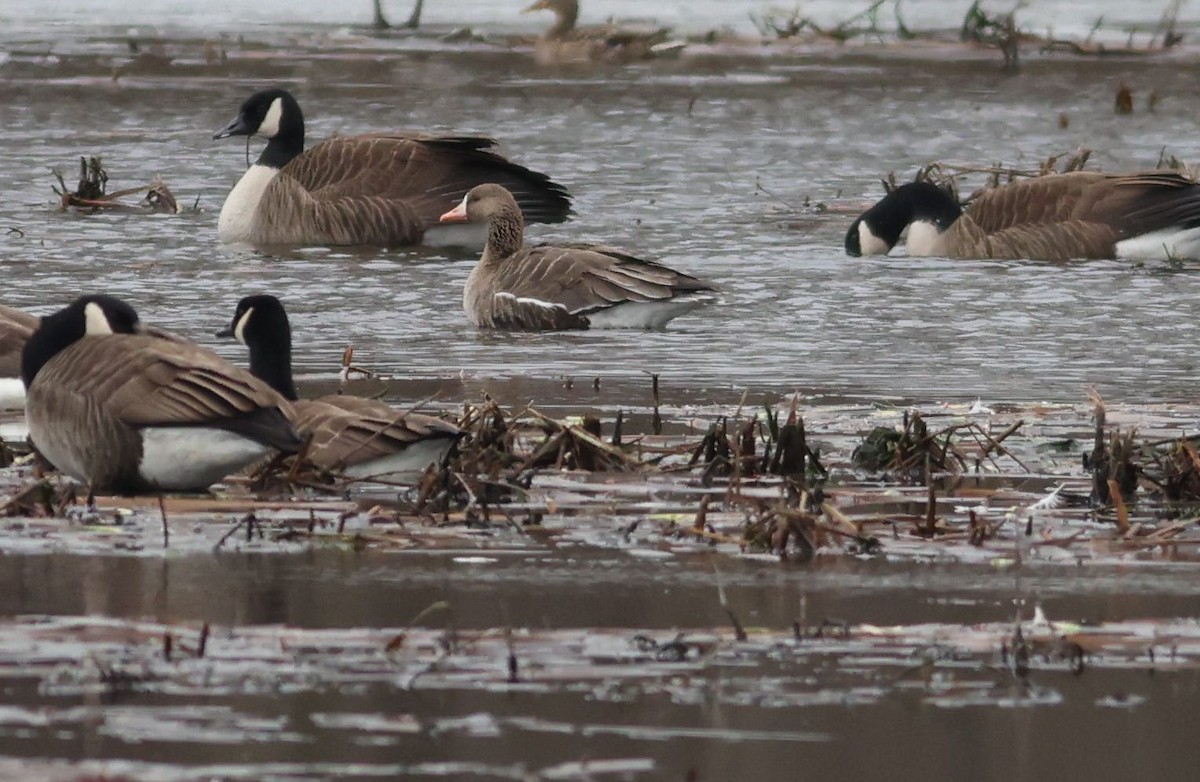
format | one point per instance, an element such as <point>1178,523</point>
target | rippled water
<point>706,164</point>
<point>703,165</point>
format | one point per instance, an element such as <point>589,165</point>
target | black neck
<point>55,333</point>
<point>281,149</point>
<point>910,203</point>
<point>271,361</point>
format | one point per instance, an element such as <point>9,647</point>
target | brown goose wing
<point>1060,241</point>
<point>585,278</point>
<point>341,438</point>
<point>15,328</point>
<point>404,182</point>
<point>1130,204</point>
<point>148,381</point>
<point>1047,199</point>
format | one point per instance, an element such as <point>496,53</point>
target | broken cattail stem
<point>1114,493</point>
<point>656,420</point>
<point>166,530</point>
<point>930,500</point>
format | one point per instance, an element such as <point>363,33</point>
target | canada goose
<point>544,287</point>
<point>15,328</point>
<point>357,436</point>
<point>129,412</point>
<point>1082,214</point>
<point>382,189</point>
<point>563,42</point>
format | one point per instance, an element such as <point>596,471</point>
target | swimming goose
<point>15,328</point>
<point>383,189</point>
<point>1082,214</point>
<point>563,42</point>
<point>353,435</point>
<point>129,412</point>
<point>546,287</point>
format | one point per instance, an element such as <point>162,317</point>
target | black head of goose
<point>546,287</point>
<point>15,328</point>
<point>382,189</point>
<point>351,434</point>
<point>126,411</point>
<point>1081,214</point>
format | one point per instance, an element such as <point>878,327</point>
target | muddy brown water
<point>705,164</point>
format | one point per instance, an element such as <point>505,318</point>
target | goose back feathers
<point>130,412</point>
<point>382,189</point>
<point>353,435</point>
<point>15,328</point>
<point>1056,217</point>
<point>564,43</point>
<point>566,286</point>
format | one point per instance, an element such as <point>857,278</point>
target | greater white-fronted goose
<point>128,412</point>
<point>1082,214</point>
<point>564,43</point>
<point>544,287</point>
<point>353,435</point>
<point>15,328</point>
<point>384,189</point>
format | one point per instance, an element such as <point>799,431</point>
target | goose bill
<point>238,127</point>
<point>456,215</point>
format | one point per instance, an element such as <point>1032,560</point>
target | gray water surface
<point>706,164</point>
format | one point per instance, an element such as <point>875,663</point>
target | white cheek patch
<point>269,127</point>
<point>239,331</point>
<point>96,321</point>
<point>924,239</point>
<point>869,243</point>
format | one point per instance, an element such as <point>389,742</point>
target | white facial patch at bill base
<point>924,239</point>
<point>269,127</point>
<point>869,243</point>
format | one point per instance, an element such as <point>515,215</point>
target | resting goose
<point>128,411</point>
<point>385,189</point>
<point>563,42</point>
<point>350,434</point>
<point>1082,214</point>
<point>545,287</point>
<point>15,328</point>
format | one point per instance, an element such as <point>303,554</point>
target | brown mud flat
<point>951,482</point>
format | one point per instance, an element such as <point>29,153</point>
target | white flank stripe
<point>546,305</point>
<point>644,314</point>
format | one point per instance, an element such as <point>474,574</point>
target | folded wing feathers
<point>424,174</point>
<point>1127,204</point>
<point>342,438</point>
